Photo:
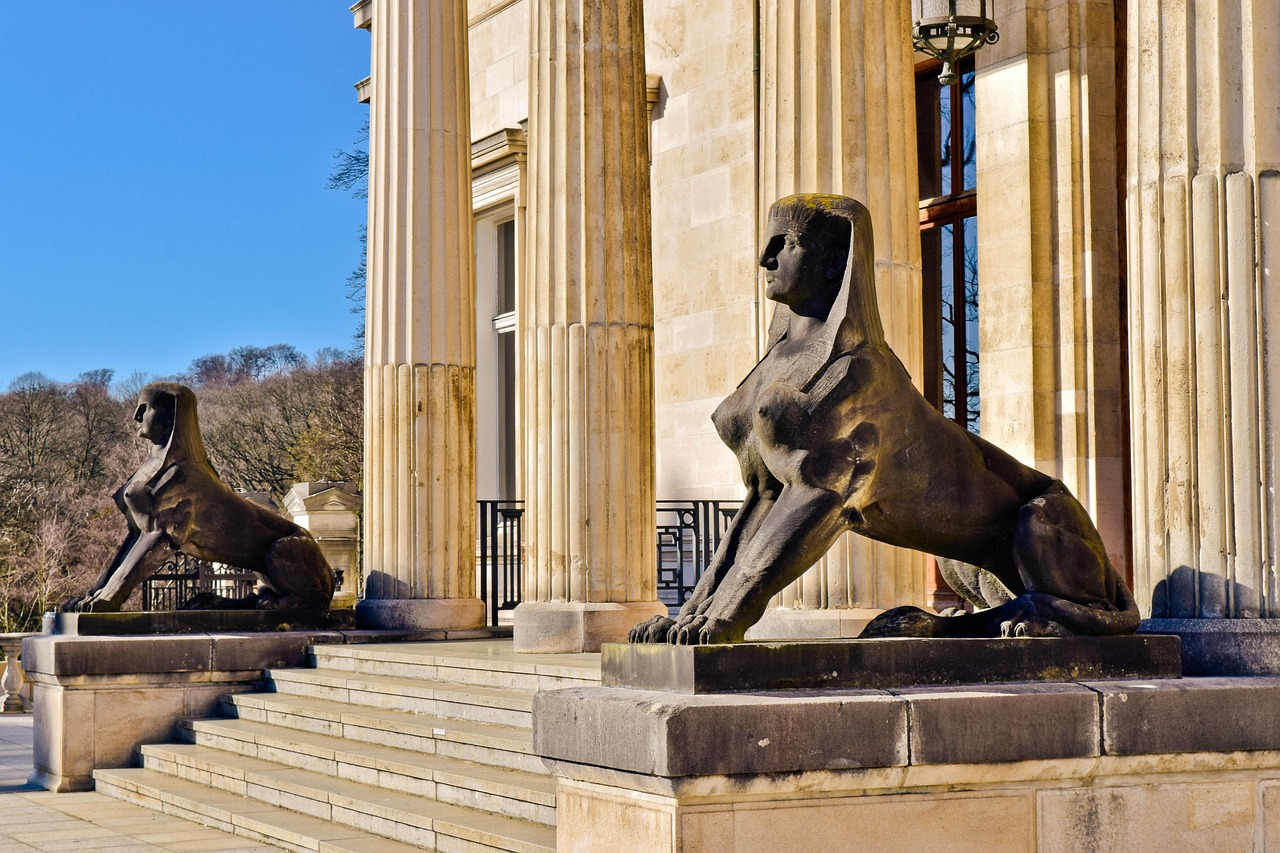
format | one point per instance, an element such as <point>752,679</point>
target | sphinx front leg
<point>659,629</point>
<point>796,532</point>
<point>147,554</point>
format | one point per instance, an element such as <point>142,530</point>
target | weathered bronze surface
<point>832,436</point>
<point>175,502</point>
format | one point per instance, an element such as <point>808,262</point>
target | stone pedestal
<point>1223,646</point>
<point>588,337</point>
<point>1116,765</point>
<point>1204,249</point>
<point>836,101</point>
<point>98,698</point>
<point>419,499</point>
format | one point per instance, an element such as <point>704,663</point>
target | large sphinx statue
<point>832,436</point>
<point>175,502</point>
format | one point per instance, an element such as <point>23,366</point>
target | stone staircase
<point>379,748</point>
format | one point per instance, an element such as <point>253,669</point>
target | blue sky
<point>164,193</point>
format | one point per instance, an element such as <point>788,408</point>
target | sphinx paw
<point>652,630</point>
<point>1031,626</point>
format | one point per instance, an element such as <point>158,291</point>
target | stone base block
<point>420,614</point>
<point>1223,646</point>
<point>787,623</point>
<point>1116,766</point>
<point>1176,804</point>
<point>884,663</point>
<point>151,622</point>
<point>568,627</point>
<point>98,698</point>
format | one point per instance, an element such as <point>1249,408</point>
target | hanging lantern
<point>950,30</point>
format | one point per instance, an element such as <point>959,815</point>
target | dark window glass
<point>507,266</point>
<point>968,145</point>
<point>949,242</point>
<point>944,127</point>
<point>968,291</point>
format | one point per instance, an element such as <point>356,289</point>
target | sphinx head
<point>166,416</point>
<point>806,250</point>
<point>157,408</point>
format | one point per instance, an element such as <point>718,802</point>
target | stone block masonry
<point>1137,764</point>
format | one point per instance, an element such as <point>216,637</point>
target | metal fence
<point>183,577</point>
<point>500,555</point>
<point>688,533</point>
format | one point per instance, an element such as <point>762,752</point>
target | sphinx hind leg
<point>1064,567</point>
<point>296,576</point>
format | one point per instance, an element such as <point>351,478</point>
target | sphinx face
<point>155,415</point>
<point>799,272</point>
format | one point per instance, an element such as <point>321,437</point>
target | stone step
<point>286,715</point>
<point>240,816</point>
<point>333,806</point>
<point>478,663</point>
<point>459,701</point>
<point>514,793</point>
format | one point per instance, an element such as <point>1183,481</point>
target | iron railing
<point>688,531</point>
<point>183,577</point>
<point>500,555</point>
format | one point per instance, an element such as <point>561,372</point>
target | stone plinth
<point>97,698</point>
<point>885,663</point>
<point>1223,646</point>
<point>152,622</point>
<point>1126,765</point>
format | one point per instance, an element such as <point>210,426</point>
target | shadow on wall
<point>385,586</point>
<point>1190,594</point>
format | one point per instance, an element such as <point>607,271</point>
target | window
<point>948,167</point>
<point>497,463</point>
<point>504,323</point>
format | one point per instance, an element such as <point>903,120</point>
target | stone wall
<point>706,329</point>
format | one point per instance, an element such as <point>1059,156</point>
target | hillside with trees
<point>270,417</point>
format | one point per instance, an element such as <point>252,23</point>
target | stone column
<point>837,115</point>
<point>419,495</point>
<point>1050,312</point>
<point>591,563</point>
<point>1204,316</point>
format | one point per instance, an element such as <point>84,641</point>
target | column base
<point>1223,646</point>
<point>790,623</point>
<point>421,614</point>
<point>550,627</point>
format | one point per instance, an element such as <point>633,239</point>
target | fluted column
<point>1204,316</point>
<point>591,563</point>
<point>1050,314</point>
<point>837,105</point>
<point>419,542</point>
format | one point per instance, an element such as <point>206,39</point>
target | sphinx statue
<point>831,436</point>
<point>175,503</point>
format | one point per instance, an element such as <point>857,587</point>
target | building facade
<point>1074,251</point>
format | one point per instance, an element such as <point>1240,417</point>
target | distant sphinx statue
<point>832,436</point>
<point>175,503</point>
